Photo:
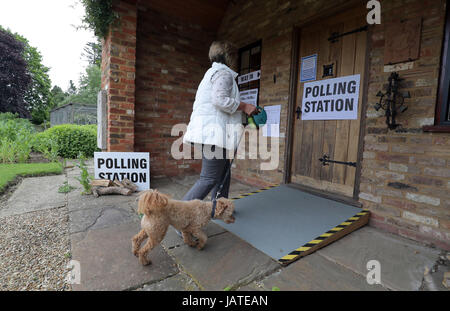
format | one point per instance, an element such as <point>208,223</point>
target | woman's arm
<point>221,95</point>
<point>248,109</point>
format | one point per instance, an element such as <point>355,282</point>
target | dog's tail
<point>152,201</point>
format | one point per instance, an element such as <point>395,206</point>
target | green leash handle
<point>258,119</point>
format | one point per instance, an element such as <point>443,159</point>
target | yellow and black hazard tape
<point>254,192</point>
<point>299,251</point>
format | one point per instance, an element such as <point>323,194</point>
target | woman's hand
<point>248,109</point>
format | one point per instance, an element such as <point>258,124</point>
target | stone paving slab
<point>402,261</point>
<point>76,201</point>
<point>34,194</point>
<point>315,273</point>
<point>179,282</point>
<point>99,217</point>
<point>225,261</point>
<point>168,186</point>
<point>107,263</point>
<point>172,239</point>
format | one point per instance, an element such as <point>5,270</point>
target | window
<point>249,72</point>
<point>442,115</point>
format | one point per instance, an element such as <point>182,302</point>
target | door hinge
<point>326,159</point>
<point>336,35</point>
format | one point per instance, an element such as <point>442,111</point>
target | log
<point>128,184</point>
<point>98,191</point>
<point>101,183</point>
<point>118,183</point>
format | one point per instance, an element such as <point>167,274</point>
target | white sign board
<point>331,99</point>
<point>308,71</point>
<point>134,166</point>
<point>252,76</point>
<point>272,126</point>
<point>249,96</point>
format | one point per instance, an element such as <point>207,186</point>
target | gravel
<point>35,250</point>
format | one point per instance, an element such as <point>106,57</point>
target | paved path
<point>100,231</point>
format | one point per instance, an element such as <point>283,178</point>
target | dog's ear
<point>151,200</point>
<point>159,200</point>
<point>144,202</point>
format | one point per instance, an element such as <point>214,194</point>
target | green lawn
<point>8,172</point>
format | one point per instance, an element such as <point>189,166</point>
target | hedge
<point>71,140</point>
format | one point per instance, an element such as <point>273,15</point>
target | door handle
<point>298,112</point>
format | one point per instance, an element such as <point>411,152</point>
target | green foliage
<point>48,146</point>
<point>16,138</point>
<point>90,85</point>
<point>65,188</point>
<point>93,53</point>
<point>58,95</point>
<point>99,16</point>
<point>38,95</point>
<point>84,179</point>
<point>71,140</point>
<point>8,172</point>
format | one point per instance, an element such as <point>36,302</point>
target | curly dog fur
<point>189,217</point>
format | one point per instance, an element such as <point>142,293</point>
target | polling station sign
<point>134,166</point>
<point>331,99</point>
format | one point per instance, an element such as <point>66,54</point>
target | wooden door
<point>337,139</point>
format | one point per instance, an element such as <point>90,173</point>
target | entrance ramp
<point>287,224</point>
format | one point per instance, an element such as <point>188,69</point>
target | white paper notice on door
<point>249,96</point>
<point>331,99</point>
<point>272,127</point>
<point>308,70</point>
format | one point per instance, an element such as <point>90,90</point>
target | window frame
<point>249,47</point>
<point>442,112</point>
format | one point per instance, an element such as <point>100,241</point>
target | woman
<point>217,106</point>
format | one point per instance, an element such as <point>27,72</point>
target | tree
<point>93,53</point>
<point>90,85</point>
<point>14,77</point>
<point>37,96</point>
<point>57,95</point>
<point>72,90</point>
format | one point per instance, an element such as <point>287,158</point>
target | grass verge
<point>9,172</point>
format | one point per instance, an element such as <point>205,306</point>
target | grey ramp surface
<point>282,219</point>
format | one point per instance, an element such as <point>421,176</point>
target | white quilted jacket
<point>211,113</point>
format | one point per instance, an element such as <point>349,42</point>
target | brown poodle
<point>189,217</point>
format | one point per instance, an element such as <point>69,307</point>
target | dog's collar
<point>213,211</point>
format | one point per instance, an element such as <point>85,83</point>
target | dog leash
<point>257,120</point>
<point>213,212</point>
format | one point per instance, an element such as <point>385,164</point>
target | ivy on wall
<point>99,16</point>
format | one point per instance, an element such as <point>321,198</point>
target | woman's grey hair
<point>222,52</point>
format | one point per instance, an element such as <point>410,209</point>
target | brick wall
<point>406,172</point>
<point>118,77</point>
<point>405,178</point>
<point>172,57</point>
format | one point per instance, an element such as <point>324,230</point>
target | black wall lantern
<point>392,101</point>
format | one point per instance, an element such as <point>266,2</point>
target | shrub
<point>16,138</point>
<point>71,140</point>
